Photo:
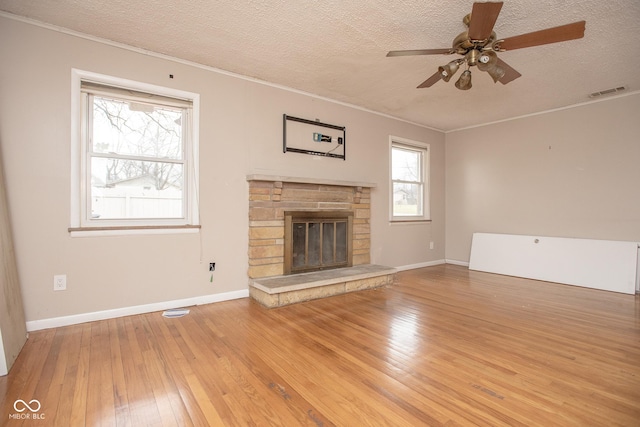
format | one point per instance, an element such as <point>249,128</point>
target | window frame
<point>81,222</point>
<point>425,151</point>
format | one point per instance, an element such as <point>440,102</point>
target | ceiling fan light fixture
<point>496,72</point>
<point>487,60</point>
<point>447,71</point>
<point>464,82</point>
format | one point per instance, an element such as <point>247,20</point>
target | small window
<point>136,158</point>
<point>409,181</point>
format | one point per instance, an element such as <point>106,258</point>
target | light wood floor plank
<point>120,399</point>
<point>142,402</point>
<point>69,359</point>
<point>80,379</point>
<point>442,346</point>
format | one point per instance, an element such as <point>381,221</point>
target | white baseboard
<point>456,262</point>
<point>420,265</point>
<point>55,322</point>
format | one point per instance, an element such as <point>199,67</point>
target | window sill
<point>409,221</point>
<point>132,230</point>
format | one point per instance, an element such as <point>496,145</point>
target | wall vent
<point>608,92</point>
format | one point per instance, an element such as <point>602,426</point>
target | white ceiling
<point>336,48</point>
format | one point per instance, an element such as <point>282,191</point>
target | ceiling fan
<point>479,44</point>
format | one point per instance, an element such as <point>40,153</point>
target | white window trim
<point>191,223</point>
<point>426,179</point>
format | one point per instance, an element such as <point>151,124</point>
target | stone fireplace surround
<point>269,198</point>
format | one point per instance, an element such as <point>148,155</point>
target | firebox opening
<point>317,240</point>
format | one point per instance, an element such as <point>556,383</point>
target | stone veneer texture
<point>268,201</point>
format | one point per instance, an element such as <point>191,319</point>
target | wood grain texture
<point>442,346</point>
<point>562,33</point>
<point>435,78</point>
<point>483,18</point>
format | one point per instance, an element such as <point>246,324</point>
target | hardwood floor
<point>442,346</point>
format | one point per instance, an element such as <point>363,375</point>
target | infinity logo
<point>26,405</point>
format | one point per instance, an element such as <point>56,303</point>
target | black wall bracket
<point>317,136</point>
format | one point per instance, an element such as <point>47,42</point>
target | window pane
<point>313,241</point>
<point>299,244</point>
<point>341,241</point>
<point>407,199</point>
<point>327,242</point>
<point>123,189</point>
<point>406,165</point>
<point>136,129</point>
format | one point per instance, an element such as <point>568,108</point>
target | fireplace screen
<point>317,240</point>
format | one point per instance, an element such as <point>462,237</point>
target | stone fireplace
<point>323,226</point>
<point>270,197</point>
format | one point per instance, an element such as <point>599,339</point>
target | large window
<point>136,156</point>
<point>409,180</point>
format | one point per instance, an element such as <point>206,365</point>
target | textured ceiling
<point>336,48</point>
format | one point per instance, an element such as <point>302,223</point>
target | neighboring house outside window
<point>409,171</point>
<point>134,155</point>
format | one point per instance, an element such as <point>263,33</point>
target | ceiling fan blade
<point>509,73</point>
<point>419,52</point>
<point>483,18</point>
<point>431,80</point>
<point>550,35</point>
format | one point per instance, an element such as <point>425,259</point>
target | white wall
<point>568,173</point>
<point>240,134</point>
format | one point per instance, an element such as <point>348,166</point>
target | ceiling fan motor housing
<point>462,43</point>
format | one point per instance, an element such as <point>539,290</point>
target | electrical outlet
<point>430,245</point>
<point>212,266</point>
<point>60,282</point>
